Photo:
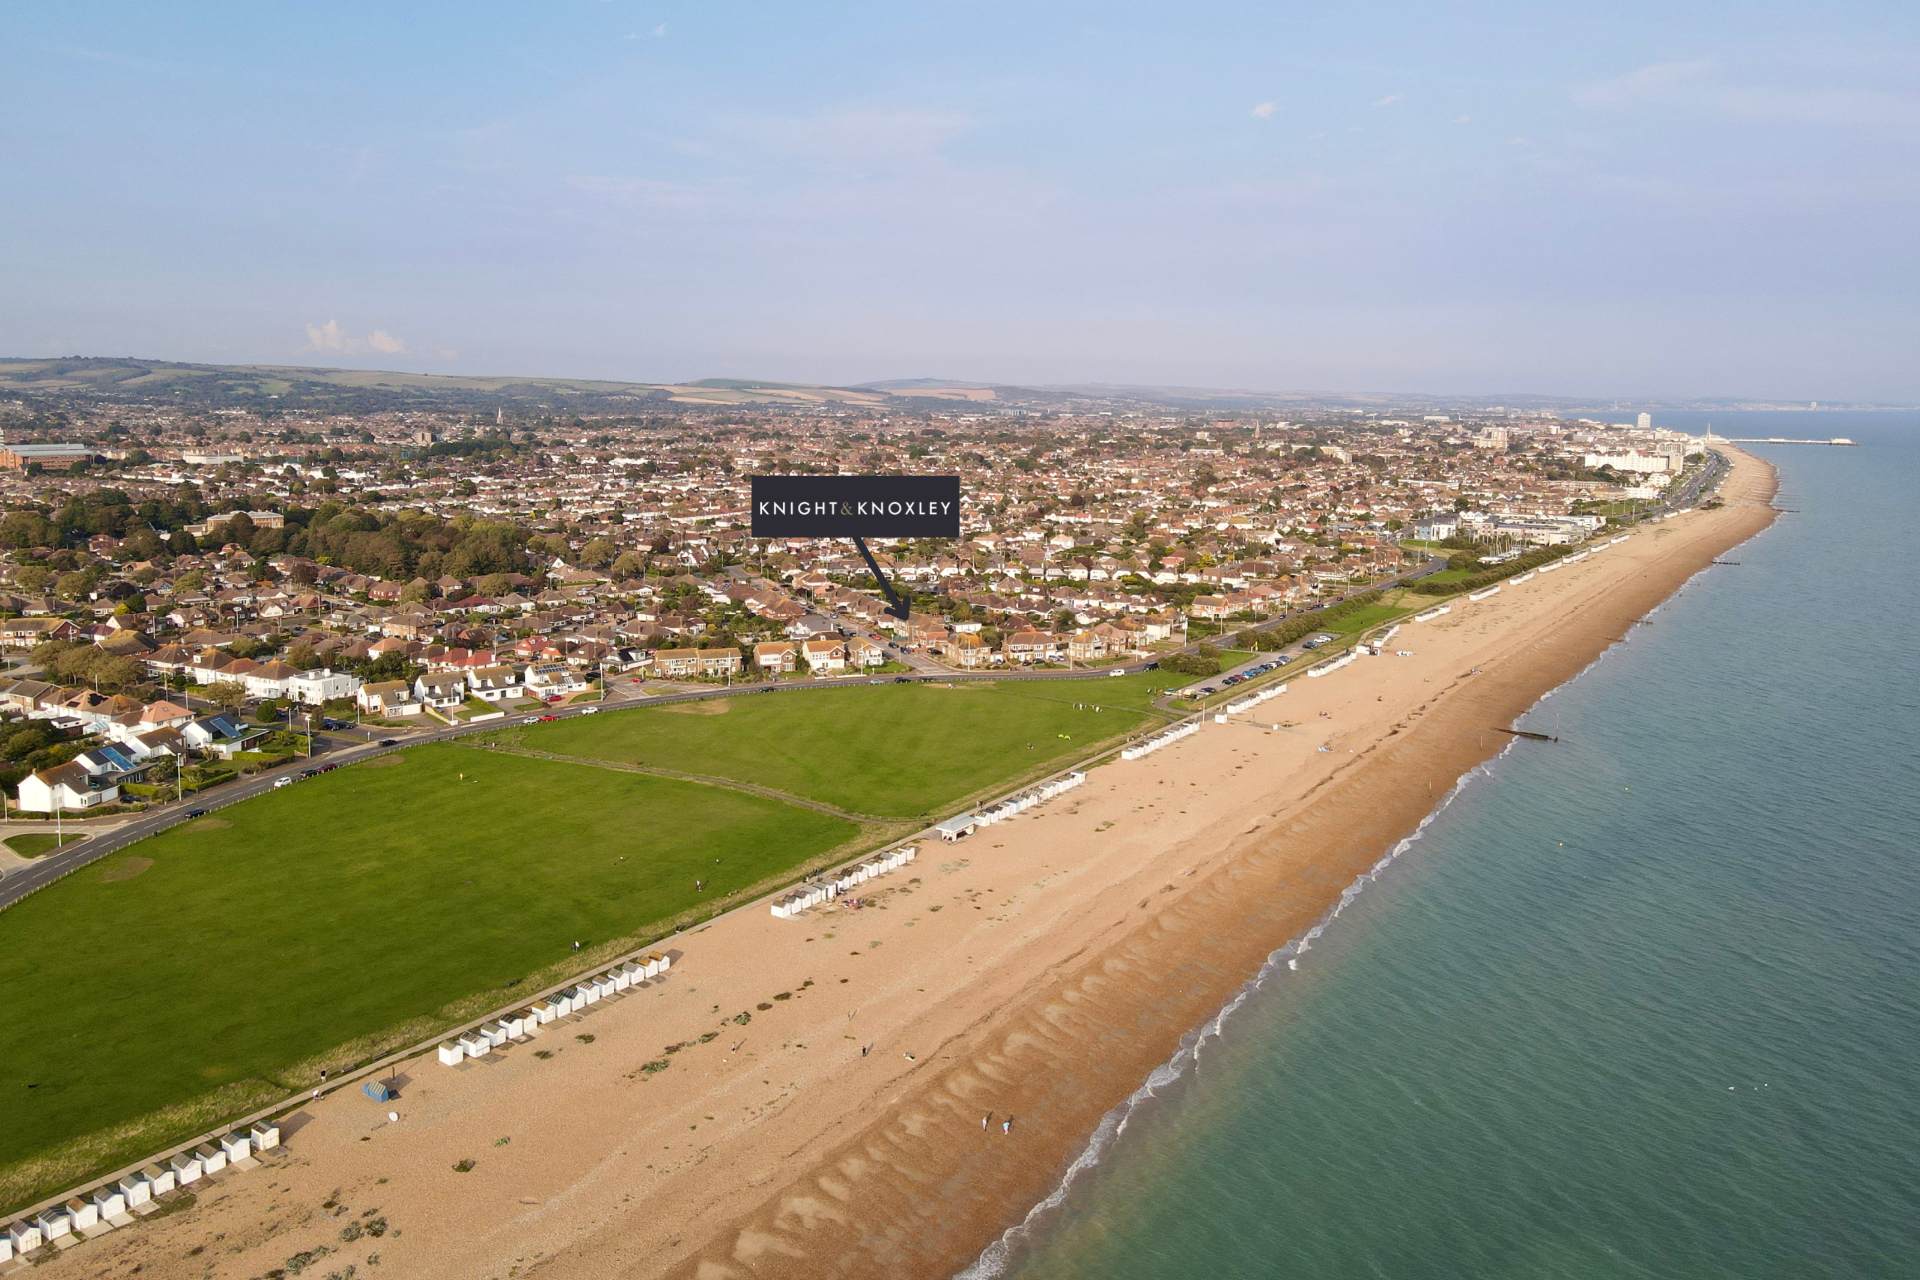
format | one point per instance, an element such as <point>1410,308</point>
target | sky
<point>1643,200</point>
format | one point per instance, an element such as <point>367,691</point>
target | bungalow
<point>221,734</point>
<point>440,688</point>
<point>494,684</point>
<point>778,656</point>
<point>66,786</point>
<point>824,656</point>
<point>387,698</point>
<point>157,742</point>
<point>110,763</point>
<point>324,685</point>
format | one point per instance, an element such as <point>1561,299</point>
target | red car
<point>549,718</point>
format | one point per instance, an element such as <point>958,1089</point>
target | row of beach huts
<point>1252,700</point>
<point>112,1204</point>
<point>1159,740</point>
<point>1013,806</point>
<point>819,891</point>
<point>483,1040</point>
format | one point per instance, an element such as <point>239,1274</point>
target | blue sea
<point>1641,1003</point>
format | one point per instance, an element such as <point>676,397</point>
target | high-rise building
<point>1646,422</point>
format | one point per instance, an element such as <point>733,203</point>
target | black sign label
<point>856,506</point>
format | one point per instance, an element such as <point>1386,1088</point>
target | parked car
<point>309,773</point>
<point>333,724</point>
<point>196,813</point>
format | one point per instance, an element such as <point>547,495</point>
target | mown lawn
<point>893,750</point>
<point>226,950</point>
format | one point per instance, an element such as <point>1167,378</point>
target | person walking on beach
<point>983,1121</point>
<point>1006,1126</point>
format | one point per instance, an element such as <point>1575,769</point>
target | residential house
<point>825,656</point>
<point>27,633</point>
<point>440,688</point>
<point>268,680</point>
<point>864,653</point>
<point>221,734</point>
<point>1028,647</point>
<point>495,684</point>
<point>387,698</point>
<point>969,652</point>
<point>780,657</point>
<point>720,662</point>
<point>316,687</point>
<point>552,680</point>
<point>677,663</point>
<point>66,786</point>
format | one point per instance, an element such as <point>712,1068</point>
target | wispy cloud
<point>1265,110</point>
<point>1387,101</point>
<point>330,337</point>
<point>1700,86</point>
<point>1463,119</point>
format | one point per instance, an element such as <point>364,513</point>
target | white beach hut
<point>186,1168</point>
<point>475,1046</point>
<point>265,1135</point>
<point>55,1224</point>
<point>236,1146</point>
<point>25,1236</point>
<point>212,1159</point>
<point>515,1025</point>
<point>451,1054</point>
<point>666,961</point>
<point>111,1202</point>
<point>137,1188</point>
<point>161,1178</point>
<point>6,1247</point>
<point>85,1213</point>
<point>636,972</point>
<point>546,1010</point>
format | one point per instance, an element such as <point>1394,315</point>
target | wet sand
<point>1039,970</point>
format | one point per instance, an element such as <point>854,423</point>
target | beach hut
<point>545,1010</point>
<point>236,1145</point>
<point>25,1236</point>
<point>55,1224</point>
<point>186,1168</point>
<point>85,1213</point>
<point>6,1246</point>
<point>111,1202</point>
<point>137,1188</point>
<point>161,1178</point>
<point>265,1135</point>
<point>475,1046</point>
<point>451,1054</point>
<point>635,971</point>
<point>666,962</point>
<point>212,1159</point>
<point>618,976</point>
<point>603,987</point>
<point>378,1091</point>
<point>515,1026</point>
<point>529,1021</point>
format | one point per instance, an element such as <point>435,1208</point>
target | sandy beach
<point>1036,972</point>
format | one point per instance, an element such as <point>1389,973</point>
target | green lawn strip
<point>35,843</point>
<point>902,750</point>
<point>381,900</point>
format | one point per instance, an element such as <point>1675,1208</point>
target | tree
<point>229,694</point>
<point>72,586</point>
<point>306,574</point>
<point>32,578</point>
<point>597,554</point>
<point>302,657</point>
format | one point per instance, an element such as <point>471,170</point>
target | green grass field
<point>221,953</point>
<point>891,750</point>
<point>1361,619</point>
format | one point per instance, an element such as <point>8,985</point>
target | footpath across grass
<point>891,750</point>
<point>227,954</point>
